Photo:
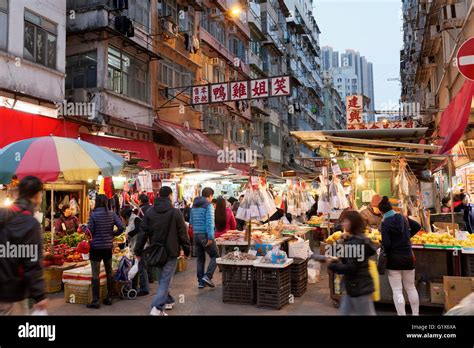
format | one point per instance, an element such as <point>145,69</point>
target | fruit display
<point>333,238</point>
<point>442,239</point>
<point>375,236</point>
<point>120,239</point>
<point>315,220</point>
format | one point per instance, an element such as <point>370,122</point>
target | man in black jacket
<point>21,276</point>
<point>164,222</point>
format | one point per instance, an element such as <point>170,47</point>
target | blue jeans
<point>141,279</point>
<point>200,243</point>
<point>163,295</point>
<point>361,305</point>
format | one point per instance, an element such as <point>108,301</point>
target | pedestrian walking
<point>101,224</point>
<point>396,231</point>
<point>132,222</point>
<point>21,278</point>
<point>354,266</point>
<point>202,222</point>
<point>224,217</point>
<point>164,225</point>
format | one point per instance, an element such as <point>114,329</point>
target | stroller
<point>121,277</point>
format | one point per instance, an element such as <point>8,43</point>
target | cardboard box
<point>437,292</point>
<point>455,289</point>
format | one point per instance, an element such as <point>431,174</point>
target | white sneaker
<point>169,306</point>
<point>156,312</point>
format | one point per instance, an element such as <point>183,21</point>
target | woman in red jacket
<point>224,217</point>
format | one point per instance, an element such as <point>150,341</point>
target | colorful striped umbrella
<point>53,158</point>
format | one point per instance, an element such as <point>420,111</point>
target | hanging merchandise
<point>324,206</point>
<point>299,199</point>
<point>146,184</point>
<point>337,195</point>
<point>74,206</point>
<point>108,187</point>
<point>258,203</point>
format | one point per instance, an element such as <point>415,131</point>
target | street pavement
<point>208,301</point>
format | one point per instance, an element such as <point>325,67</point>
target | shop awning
<point>17,125</point>
<point>204,150</point>
<point>145,150</point>
<point>455,118</point>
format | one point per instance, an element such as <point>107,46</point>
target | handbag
<point>382,261</point>
<point>156,254</point>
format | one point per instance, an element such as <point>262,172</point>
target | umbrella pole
<point>451,196</point>
<point>52,219</point>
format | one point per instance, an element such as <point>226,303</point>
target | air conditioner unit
<point>79,95</point>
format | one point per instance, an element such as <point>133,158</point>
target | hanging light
<point>367,160</point>
<point>235,11</point>
<point>360,180</point>
<point>7,202</point>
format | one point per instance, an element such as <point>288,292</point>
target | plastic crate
<point>238,284</point>
<point>299,277</point>
<point>273,287</point>
<point>470,265</point>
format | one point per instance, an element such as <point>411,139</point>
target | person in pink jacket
<point>224,217</point>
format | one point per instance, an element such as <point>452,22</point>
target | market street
<point>208,301</point>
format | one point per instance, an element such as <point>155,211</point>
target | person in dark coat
<point>101,224</point>
<point>21,278</point>
<point>396,231</point>
<point>164,222</point>
<point>354,266</point>
<point>144,204</point>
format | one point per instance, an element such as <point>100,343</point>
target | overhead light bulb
<point>368,161</point>
<point>360,180</point>
<point>7,202</point>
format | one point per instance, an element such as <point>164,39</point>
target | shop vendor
<point>372,215</point>
<point>67,223</point>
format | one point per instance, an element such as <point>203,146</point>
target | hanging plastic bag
<point>314,271</point>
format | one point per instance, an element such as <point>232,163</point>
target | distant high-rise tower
<point>330,58</point>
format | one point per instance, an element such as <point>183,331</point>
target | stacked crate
<point>299,277</point>
<point>273,286</point>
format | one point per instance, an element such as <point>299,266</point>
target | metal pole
<point>52,219</point>
<point>450,180</point>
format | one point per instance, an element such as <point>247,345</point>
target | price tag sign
<point>253,252</point>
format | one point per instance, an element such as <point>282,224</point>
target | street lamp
<point>235,11</point>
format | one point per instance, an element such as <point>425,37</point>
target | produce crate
<point>299,277</point>
<point>238,284</point>
<point>81,293</point>
<point>53,280</point>
<point>273,287</point>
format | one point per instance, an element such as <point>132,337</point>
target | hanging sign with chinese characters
<point>382,125</point>
<point>279,86</point>
<point>354,110</point>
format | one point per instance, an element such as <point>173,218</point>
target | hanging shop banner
<point>354,110</point>
<point>383,125</point>
<point>219,92</point>
<point>200,94</point>
<point>278,86</point>
<point>239,90</point>
<point>168,156</point>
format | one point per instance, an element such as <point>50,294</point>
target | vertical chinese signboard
<point>200,94</point>
<point>354,110</point>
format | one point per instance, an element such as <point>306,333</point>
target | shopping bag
<point>314,271</point>
<point>299,249</point>
<point>382,261</point>
<point>133,271</point>
<point>375,277</point>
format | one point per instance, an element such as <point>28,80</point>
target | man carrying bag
<point>164,227</point>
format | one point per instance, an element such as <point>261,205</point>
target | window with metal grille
<point>172,74</point>
<point>81,70</point>
<point>3,23</point>
<point>139,11</point>
<point>127,75</point>
<point>40,37</point>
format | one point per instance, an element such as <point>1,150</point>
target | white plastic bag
<point>39,312</point>
<point>314,271</point>
<point>133,271</point>
<point>299,249</point>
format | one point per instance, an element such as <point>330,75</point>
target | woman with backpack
<point>396,231</point>
<point>102,223</point>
